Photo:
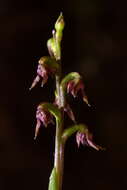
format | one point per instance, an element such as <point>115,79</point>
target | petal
<point>85,99</point>
<point>90,142</point>
<point>78,139</point>
<point>37,128</point>
<point>45,78</point>
<point>70,86</point>
<point>36,80</point>
<point>80,87</point>
<point>41,71</point>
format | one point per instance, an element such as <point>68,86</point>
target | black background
<point>94,44</point>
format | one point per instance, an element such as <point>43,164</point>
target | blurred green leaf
<point>53,181</point>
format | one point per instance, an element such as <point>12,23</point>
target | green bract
<point>59,25</point>
<point>51,45</point>
<point>49,62</point>
<point>52,109</point>
<point>71,76</point>
<point>71,130</point>
<point>53,181</point>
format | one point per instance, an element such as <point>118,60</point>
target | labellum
<point>86,139</point>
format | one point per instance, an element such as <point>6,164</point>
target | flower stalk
<point>59,146</point>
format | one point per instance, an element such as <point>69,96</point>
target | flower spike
<point>72,84</point>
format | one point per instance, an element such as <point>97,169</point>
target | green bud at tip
<point>59,25</point>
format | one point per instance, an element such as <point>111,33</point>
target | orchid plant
<point>72,84</point>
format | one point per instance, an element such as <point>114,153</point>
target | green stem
<point>58,89</point>
<point>57,153</point>
<point>61,164</point>
<point>59,145</point>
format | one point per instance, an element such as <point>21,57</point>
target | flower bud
<point>59,25</point>
<point>54,43</point>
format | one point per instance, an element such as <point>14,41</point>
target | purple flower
<point>86,139</point>
<point>44,117</point>
<point>77,86</point>
<point>47,66</point>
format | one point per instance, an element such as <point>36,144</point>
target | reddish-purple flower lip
<point>86,139</point>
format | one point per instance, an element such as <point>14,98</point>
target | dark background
<point>94,44</point>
